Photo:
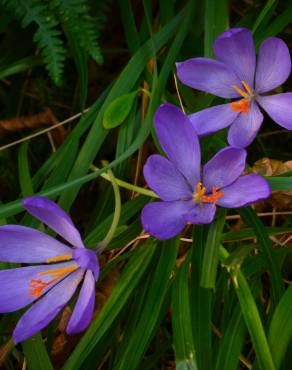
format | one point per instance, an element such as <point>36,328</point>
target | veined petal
<point>55,217</point>
<point>15,285</point>
<point>164,220</point>
<point>224,168</point>
<point>213,119</point>
<point>279,108</point>
<point>209,75</point>
<point>165,179</point>
<point>236,49</point>
<point>201,213</point>
<point>27,245</point>
<point>245,127</point>
<point>46,309</point>
<point>274,65</point>
<point>179,141</point>
<point>246,190</point>
<point>83,310</point>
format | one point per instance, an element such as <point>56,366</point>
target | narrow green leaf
<point>117,111</point>
<point>280,332</point>
<point>36,354</point>
<point>252,318</point>
<point>126,285</point>
<point>267,9</point>
<point>201,302</point>
<point>154,302</point>
<point>23,170</point>
<point>280,183</point>
<point>254,221</point>
<point>232,342</point>
<point>185,356</point>
<point>210,261</point>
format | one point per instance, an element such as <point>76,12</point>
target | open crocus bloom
<point>237,75</point>
<point>186,196</point>
<point>53,282</point>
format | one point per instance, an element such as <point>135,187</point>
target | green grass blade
<point>280,331</point>
<point>210,261</point>
<point>23,171</point>
<point>252,319</point>
<point>185,356</point>
<point>254,221</point>
<point>36,354</point>
<point>154,302</point>
<point>280,183</point>
<point>126,285</point>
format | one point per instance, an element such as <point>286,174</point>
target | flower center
<point>200,196</point>
<point>242,105</point>
<point>36,286</point>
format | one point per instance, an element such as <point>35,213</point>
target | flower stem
<point>126,185</point>
<point>118,205</point>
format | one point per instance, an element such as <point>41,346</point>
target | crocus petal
<point>224,168</point>
<point>212,119</point>
<point>274,65</point>
<point>279,108</point>
<point>244,191</point>
<point>236,49</point>
<point>165,179</point>
<point>15,285</point>
<point>83,310</point>
<point>209,75</point>
<point>55,217</point>
<point>27,245</point>
<point>201,214</point>
<point>245,127</point>
<point>179,140</point>
<point>47,308</point>
<point>165,219</point>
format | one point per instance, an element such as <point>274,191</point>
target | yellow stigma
<point>242,105</point>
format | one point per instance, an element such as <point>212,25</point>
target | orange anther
<point>60,258</point>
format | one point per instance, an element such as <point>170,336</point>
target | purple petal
<point>208,75</point>
<point>244,191</point>
<point>236,49</point>
<point>164,220</point>
<point>83,310</point>
<point>224,168</point>
<point>201,214</point>
<point>279,108</point>
<point>47,308</point>
<point>87,259</point>
<point>213,119</point>
<point>15,285</point>
<point>55,217</point>
<point>245,127</point>
<point>274,65</point>
<point>179,141</point>
<point>27,245</point>
<point>163,178</point>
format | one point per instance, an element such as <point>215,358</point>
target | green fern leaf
<point>75,15</point>
<point>47,35</point>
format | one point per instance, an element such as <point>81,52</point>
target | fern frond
<point>47,35</point>
<point>75,15</point>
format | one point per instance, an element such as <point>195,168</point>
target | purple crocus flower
<point>53,282</point>
<point>187,196</point>
<point>235,74</point>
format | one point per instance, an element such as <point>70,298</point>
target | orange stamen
<point>37,285</point>
<point>200,196</point>
<point>65,257</point>
<point>242,106</point>
<point>214,197</point>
